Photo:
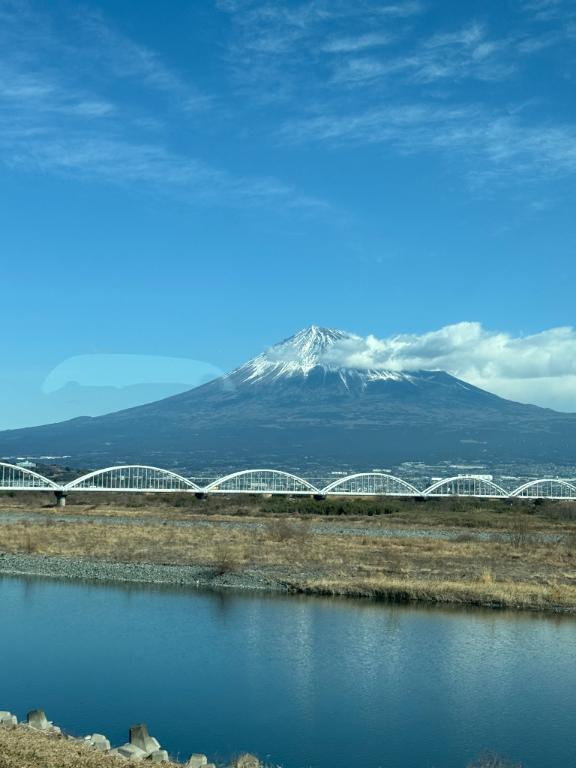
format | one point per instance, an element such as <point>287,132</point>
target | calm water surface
<point>304,682</point>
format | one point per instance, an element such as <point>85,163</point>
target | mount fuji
<point>296,406</point>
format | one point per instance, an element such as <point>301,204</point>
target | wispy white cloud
<point>550,10</point>
<point>308,13</point>
<point>146,167</point>
<point>275,41</point>
<point>436,82</point>
<point>126,59</point>
<point>272,39</point>
<point>68,121</point>
<point>493,146</point>
<point>538,368</point>
<point>91,50</point>
<point>359,43</point>
<point>326,65</point>
<point>462,54</point>
<point>394,123</point>
<point>402,10</point>
<point>39,94</point>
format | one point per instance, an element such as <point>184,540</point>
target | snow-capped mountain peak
<point>311,349</point>
<point>307,348</point>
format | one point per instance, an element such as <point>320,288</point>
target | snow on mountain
<point>307,351</point>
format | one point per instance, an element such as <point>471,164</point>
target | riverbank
<point>27,748</point>
<point>488,554</point>
<point>484,594</point>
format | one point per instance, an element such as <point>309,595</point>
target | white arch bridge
<point>137,478</point>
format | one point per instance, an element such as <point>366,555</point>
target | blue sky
<point>201,179</point>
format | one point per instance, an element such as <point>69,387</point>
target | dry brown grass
<point>499,595</point>
<point>453,513</point>
<point>513,571</point>
<point>21,748</point>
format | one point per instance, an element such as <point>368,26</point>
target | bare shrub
<point>284,529</point>
<point>224,560</point>
<point>30,545</point>
<point>518,534</point>
<point>564,511</point>
<point>182,500</point>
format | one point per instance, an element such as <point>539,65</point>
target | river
<point>299,681</point>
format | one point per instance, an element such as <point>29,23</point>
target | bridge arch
<point>15,478</point>
<point>548,488</point>
<point>261,481</point>
<point>466,485</point>
<point>371,484</point>
<point>132,477</point>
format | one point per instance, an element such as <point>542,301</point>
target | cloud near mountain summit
<point>538,368</point>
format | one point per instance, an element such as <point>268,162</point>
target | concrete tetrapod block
<point>159,756</point>
<point>37,719</point>
<point>7,718</point>
<point>196,761</point>
<point>98,741</point>
<point>131,752</point>
<point>141,738</point>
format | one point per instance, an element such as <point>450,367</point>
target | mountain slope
<point>293,406</point>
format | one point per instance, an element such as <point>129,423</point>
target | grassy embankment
<point>21,748</point>
<point>289,540</point>
<point>28,749</point>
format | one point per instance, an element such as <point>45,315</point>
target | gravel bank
<point>139,573</point>
<point>296,580</point>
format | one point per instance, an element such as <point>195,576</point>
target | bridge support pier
<point>201,495</point>
<point>319,497</point>
<point>60,498</point>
